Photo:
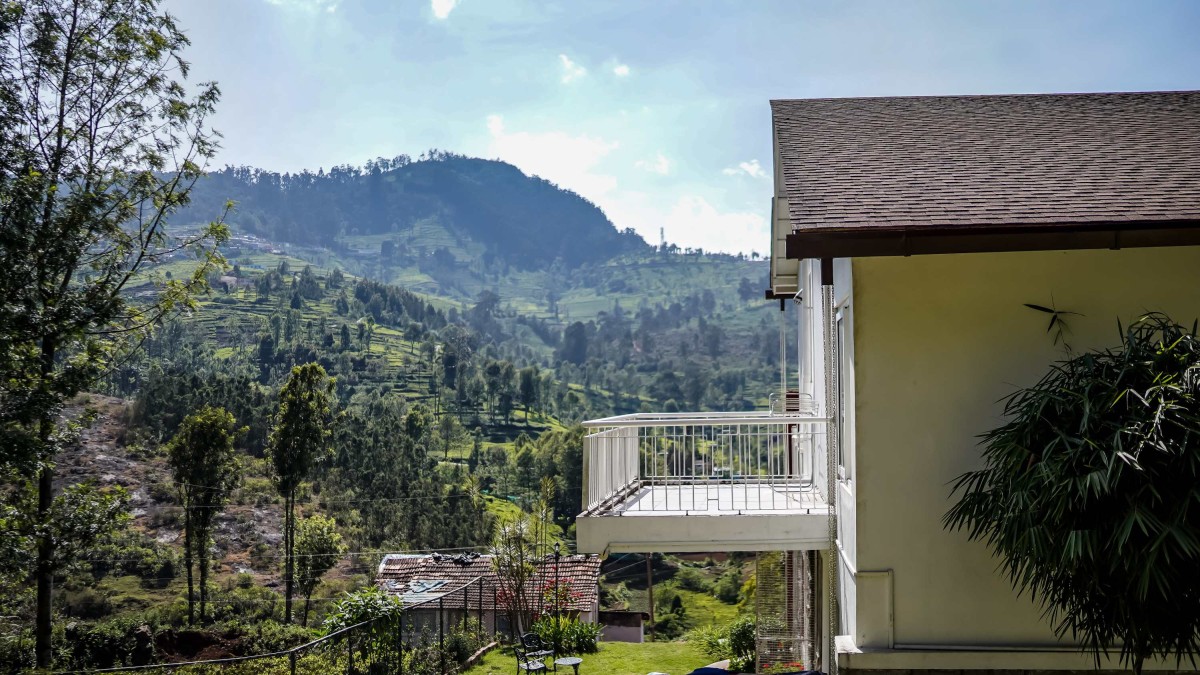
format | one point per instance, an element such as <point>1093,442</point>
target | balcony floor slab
<point>707,518</point>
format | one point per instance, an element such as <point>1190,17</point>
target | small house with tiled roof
<point>452,583</point>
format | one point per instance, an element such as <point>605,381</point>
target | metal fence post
<point>292,662</point>
<point>350,652</point>
<point>441,634</point>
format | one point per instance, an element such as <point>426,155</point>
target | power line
<point>570,488</point>
<point>348,554</point>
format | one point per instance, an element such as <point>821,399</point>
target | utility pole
<point>650,591</point>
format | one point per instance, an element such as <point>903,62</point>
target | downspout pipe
<point>832,413</point>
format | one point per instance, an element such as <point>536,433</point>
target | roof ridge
<point>1045,94</point>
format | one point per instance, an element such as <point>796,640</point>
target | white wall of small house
<point>938,340</point>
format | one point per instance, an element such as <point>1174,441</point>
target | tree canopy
<point>101,143</point>
<point>297,443</point>
<point>206,469</point>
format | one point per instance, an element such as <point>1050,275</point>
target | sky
<point>655,110</point>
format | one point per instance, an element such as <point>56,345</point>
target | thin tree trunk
<point>45,570</point>
<point>45,545</point>
<point>202,563</point>
<point>288,553</point>
<point>304,619</point>
<point>188,560</point>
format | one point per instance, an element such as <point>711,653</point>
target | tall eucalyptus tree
<point>100,141</point>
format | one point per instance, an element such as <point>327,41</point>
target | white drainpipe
<point>832,413</point>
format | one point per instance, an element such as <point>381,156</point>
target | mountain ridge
<point>526,221</point>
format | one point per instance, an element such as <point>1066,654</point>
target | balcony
<point>694,482</point>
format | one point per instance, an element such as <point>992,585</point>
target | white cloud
<point>568,161</point>
<point>586,165</point>
<point>621,70</point>
<point>688,220</point>
<point>307,5</point>
<point>442,8</point>
<point>659,165</point>
<point>571,70</point>
<point>751,168</point>
<point>693,221</point>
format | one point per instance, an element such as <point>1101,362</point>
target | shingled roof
<point>418,578</point>
<point>895,176</point>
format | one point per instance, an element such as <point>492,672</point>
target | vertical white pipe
<point>831,452</point>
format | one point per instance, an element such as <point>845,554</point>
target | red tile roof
<point>417,577</point>
<point>855,165</point>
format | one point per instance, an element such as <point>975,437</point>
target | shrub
<point>571,635</point>
<point>734,641</point>
<point>727,587</point>
<point>583,638</point>
<point>121,641</point>
<point>135,554</point>
<point>462,642</point>
<point>428,660</point>
<point>16,650</point>
<point>364,605</point>
<point>86,603</point>
<point>691,580</point>
<point>614,597</point>
<point>742,646</point>
<point>250,604</point>
<point>1084,492</point>
<point>269,636</point>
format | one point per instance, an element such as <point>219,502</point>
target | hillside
<point>463,356</point>
<point>451,227</point>
<point>514,259</point>
<point>483,209</point>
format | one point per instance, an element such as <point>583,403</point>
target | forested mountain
<point>525,220</point>
<point>469,317</point>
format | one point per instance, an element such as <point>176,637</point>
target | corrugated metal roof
<point>418,578</point>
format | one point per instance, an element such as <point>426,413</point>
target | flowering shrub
<point>558,599</point>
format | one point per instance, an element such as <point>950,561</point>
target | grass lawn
<point>614,658</point>
<point>705,610</point>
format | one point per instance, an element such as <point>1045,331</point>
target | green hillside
<point>487,208</point>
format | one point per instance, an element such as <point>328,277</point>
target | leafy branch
<point>1058,323</point>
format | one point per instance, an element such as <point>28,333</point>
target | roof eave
<point>926,240</point>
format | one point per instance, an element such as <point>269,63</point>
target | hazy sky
<point>655,110</point>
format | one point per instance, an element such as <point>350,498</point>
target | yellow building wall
<point>938,341</point>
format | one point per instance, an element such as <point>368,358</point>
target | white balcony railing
<point>701,463</point>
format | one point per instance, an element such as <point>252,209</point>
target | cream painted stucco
<point>938,340</point>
